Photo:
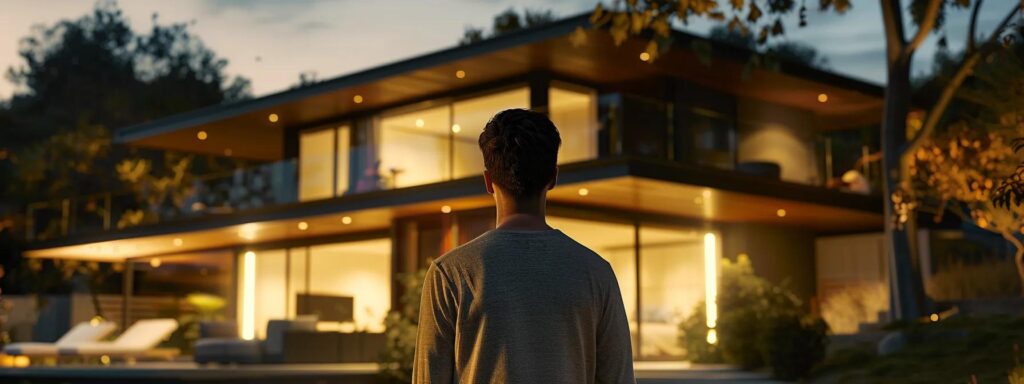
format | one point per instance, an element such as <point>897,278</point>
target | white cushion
<point>31,349</point>
<point>86,332</point>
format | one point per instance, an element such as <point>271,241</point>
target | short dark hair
<point>520,149</point>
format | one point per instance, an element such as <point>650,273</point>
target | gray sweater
<point>522,307</point>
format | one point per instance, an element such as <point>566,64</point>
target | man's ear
<point>554,180</point>
<point>488,183</point>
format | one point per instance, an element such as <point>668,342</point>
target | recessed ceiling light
<point>583,192</point>
<point>155,262</point>
<point>272,117</point>
<point>460,74</point>
<point>178,241</point>
<point>456,128</point>
<point>781,212</point>
<point>446,209</point>
<point>303,225</point>
<point>822,97</point>
<point>346,220</point>
<point>201,135</point>
<point>644,56</point>
<point>420,123</point>
<point>357,99</point>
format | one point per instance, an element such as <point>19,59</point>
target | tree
<point>77,80</point>
<point>764,19</point>
<point>786,50</point>
<point>507,22</point>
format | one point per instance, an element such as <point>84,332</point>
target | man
<point>523,303</point>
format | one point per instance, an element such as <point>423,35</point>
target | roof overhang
<point>692,194</point>
<point>592,57</point>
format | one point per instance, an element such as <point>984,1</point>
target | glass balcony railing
<point>212,194</point>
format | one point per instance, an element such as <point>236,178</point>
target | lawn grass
<point>948,351</point>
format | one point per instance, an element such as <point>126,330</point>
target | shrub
<point>746,303</point>
<point>846,309</point>
<point>989,279</point>
<point>792,345</point>
<point>401,328</point>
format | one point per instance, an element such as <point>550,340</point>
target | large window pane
<point>165,286</point>
<point>671,286</point>
<point>316,165</point>
<point>469,118</point>
<point>574,112</point>
<point>270,289</point>
<point>614,242</point>
<point>361,270</point>
<point>415,147</point>
<point>342,159</point>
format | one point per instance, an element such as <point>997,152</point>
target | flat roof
<point>635,185</point>
<point>591,57</point>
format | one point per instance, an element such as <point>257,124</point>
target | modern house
<point>666,166</point>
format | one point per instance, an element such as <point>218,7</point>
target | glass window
<point>469,118</point>
<point>270,289</point>
<point>361,270</point>
<point>671,286</point>
<point>415,147</point>
<point>169,285</point>
<point>574,112</point>
<point>714,139</point>
<point>342,160</point>
<point>614,242</point>
<point>316,164</point>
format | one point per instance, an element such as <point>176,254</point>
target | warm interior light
<point>248,232</point>
<point>456,128</point>
<point>155,262</point>
<point>644,56</point>
<point>822,97</point>
<point>460,74</point>
<point>201,135</point>
<point>584,191</point>
<point>446,209</point>
<point>249,295</point>
<point>346,220</point>
<point>711,280</point>
<point>303,225</point>
<point>420,123</point>
<point>781,212</point>
<point>272,117</point>
<point>357,99</point>
<point>177,241</point>
<point>934,317</point>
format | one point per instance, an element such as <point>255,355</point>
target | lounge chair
<point>84,332</point>
<point>138,341</point>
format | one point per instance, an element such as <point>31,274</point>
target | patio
<point>188,372</point>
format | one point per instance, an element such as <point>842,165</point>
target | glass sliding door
<point>574,111</point>
<point>415,147</point>
<point>469,118</point>
<point>360,270</point>
<point>671,286</point>
<point>324,163</point>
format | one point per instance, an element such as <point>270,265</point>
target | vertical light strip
<point>249,295</point>
<point>711,283</point>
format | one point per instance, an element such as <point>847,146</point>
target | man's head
<point>520,151</point>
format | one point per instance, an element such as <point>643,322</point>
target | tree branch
<point>892,17</point>
<point>964,70</point>
<point>931,15</point>
<point>972,28</point>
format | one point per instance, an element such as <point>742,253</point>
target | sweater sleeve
<point>435,340</point>
<point>614,345</point>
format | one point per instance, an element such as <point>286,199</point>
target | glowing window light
<point>711,281</point>
<point>712,337</point>
<point>249,295</point>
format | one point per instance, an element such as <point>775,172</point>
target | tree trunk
<point>1018,256</point>
<point>906,292</point>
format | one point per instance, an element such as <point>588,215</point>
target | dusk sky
<point>271,42</point>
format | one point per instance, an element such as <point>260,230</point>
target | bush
<point>746,304</point>
<point>401,327</point>
<point>845,310</point>
<point>791,345</point>
<point>989,279</point>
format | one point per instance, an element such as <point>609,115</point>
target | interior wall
<point>777,253</point>
<point>783,135</point>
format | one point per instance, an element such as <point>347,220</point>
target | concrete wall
<point>779,254</point>
<point>783,135</point>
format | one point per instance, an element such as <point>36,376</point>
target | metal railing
<point>238,190</point>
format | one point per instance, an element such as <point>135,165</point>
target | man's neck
<point>522,216</point>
